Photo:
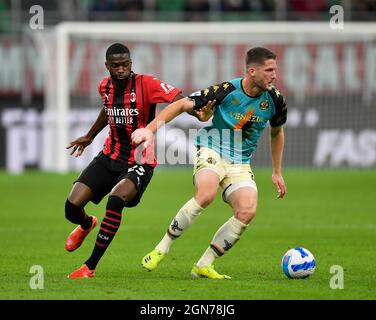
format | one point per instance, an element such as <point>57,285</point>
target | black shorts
<point>103,173</point>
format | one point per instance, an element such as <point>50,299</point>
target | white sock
<point>207,258</point>
<point>183,219</point>
<point>165,244</point>
<point>224,239</point>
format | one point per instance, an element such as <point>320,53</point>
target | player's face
<point>263,75</point>
<point>119,66</point>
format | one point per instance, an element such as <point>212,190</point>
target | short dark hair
<point>258,55</point>
<point>116,48</point>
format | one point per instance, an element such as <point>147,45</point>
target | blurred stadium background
<point>48,90</point>
<point>328,76</point>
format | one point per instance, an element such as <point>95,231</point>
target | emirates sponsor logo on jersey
<point>122,112</point>
<point>121,115</point>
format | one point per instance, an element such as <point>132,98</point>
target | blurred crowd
<point>15,12</point>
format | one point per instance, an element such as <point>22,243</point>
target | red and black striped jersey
<point>130,108</point>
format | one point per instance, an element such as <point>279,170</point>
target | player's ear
<point>251,70</point>
<point>106,64</point>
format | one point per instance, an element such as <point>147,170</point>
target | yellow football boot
<point>207,272</point>
<point>152,259</point>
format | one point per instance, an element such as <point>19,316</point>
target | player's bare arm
<point>277,141</point>
<point>144,135</point>
<point>81,143</point>
<point>204,113</point>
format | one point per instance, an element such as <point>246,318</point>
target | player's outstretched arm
<point>78,145</point>
<point>277,141</point>
<point>144,135</point>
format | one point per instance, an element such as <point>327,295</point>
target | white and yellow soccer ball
<point>298,263</point>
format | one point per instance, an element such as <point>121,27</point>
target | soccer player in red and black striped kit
<point>129,101</point>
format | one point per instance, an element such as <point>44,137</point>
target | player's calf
<point>77,215</point>
<point>224,239</point>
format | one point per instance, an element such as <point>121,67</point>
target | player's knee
<point>126,194</point>
<point>124,190</point>
<point>245,213</point>
<point>205,198</point>
<point>72,212</point>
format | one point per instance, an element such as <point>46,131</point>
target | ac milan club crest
<point>132,97</point>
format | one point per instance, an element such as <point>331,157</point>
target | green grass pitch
<point>330,212</point>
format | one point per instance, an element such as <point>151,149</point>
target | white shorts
<point>231,176</point>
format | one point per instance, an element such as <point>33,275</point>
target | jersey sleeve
<point>159,91</point>
<point>280,116</point>
<point>217,92</point>
<point>100,89</point>
<point>102,85</point>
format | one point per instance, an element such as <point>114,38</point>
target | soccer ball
<point>298,263</point>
